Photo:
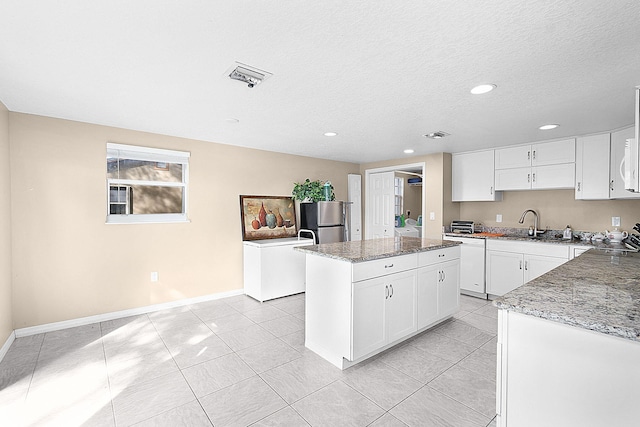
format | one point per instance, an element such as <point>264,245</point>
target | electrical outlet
<point>154,276</point>
<point>499,218</point>
<point>615,221</point>
<point>432,216</point>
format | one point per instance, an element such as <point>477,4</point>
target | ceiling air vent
<point>247,74</point>
<point>436,135</point>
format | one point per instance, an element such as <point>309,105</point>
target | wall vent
<point>436,135</point>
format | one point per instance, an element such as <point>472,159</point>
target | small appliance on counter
<point>325,219</point>
<point>467,227</point>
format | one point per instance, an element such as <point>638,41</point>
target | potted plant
<point>310,191</point>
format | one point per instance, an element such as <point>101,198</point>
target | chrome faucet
<point>535,221</point>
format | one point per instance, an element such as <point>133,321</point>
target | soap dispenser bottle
<point>567,233</point>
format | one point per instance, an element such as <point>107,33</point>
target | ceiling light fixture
<point>548,127</point>
<point>436,135</point>
<point>484,88</point>
<point>330,133</point>
<point>252,76</point>
<point>408,151</point>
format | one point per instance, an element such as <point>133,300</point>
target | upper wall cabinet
<point>616,183</point>
<point>541,154</point>
<point>592,167</point>
<point>472,177</point>
<point>547,165</point>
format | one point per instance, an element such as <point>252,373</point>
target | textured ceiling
<point>380,73</point>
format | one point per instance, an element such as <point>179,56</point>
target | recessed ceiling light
<point>436,135</point>
<point>330,134</point>
<point>485,88</point>
<point>231,120</point>
<point>408,151</point>
<point>547,127</point>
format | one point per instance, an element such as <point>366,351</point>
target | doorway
<point>392,191</point>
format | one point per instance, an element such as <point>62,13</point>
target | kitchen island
<point>569,345</point>
<point>365,296</point>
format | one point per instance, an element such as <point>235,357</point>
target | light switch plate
<point>154,276</point>
<point>615,221</point>
<point>432,216</point>
<point>499,218</point>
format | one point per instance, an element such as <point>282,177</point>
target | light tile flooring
<point>236,362</point>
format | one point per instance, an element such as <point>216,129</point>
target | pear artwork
<point>255,224</point>
<point>279,219</point>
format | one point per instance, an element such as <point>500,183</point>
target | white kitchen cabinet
<point>546,165</point>
<point>472,177</point>
<point>438,286</point>
<point>616,190</point>
<point>536,178</point>
<point>263,262</point>
<point>511,264</point>
<point>384,310</point>
<point>592,167</point>
<point>540,154</point>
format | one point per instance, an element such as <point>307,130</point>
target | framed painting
<point>267,217</point>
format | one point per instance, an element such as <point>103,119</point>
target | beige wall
<point>556,208</point>
<point>412,199</point>
<point>6,308</point>
<point>67,263</point>
<point>436,187</point>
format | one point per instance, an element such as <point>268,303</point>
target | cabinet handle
<point>528,177</point>
<point>441,255</point>
<point>520,265</point>
<point>391,294</point>
<point>444,276</point>
<point>388,266</point>
<point>578,186</point>
<point>528,155</point>
<point>386,291</point>
<point>611,185</point>
<point>534,175</point>
<point>491,191</point>
<point>534,154</point>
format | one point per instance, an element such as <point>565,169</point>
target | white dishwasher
<point>472,265</point>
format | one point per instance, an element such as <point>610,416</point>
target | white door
<point>592,167</point>
<point>428,295</point>
<point>504,272</point>
<point>369,331</point>
<point>401,305</point>
<point>513,179</point>
<point>380,201</point>
<point>354,197</point>
<point>553,176</point>
<point>449,289</point>
<point>513,157</point>
<point>536,265</point>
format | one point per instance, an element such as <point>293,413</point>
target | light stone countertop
<point>601,244</point>
<point>598,291</point>
<point>368,250</point>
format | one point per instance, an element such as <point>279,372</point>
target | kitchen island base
<point>355,310</point>
<point>553,374</point>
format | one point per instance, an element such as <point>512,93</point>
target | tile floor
<point>236,362</point>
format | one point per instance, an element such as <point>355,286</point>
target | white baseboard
<point>5,348</point>
<point>81,321</point>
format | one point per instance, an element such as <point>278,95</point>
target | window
<point>146,184</point>
<point>398,184</point>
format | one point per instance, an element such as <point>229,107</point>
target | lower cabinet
<point>384,310</point>
<point>512,264</point>
<point>438,292</point>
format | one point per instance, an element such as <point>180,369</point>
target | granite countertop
<point>597,244</point>
<point>368,250</point>
<point>596,291</point>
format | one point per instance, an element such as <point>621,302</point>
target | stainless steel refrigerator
<point>325,219</point>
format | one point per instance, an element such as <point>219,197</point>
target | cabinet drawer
<point>438,256</point>
<point>384,266</point>
<point>530,248</point>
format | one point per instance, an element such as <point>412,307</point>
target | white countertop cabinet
<point>512,264</point>
<point>272,269</point>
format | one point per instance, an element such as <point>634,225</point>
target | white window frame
<point>152,155</point>
<point>398,191</point>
